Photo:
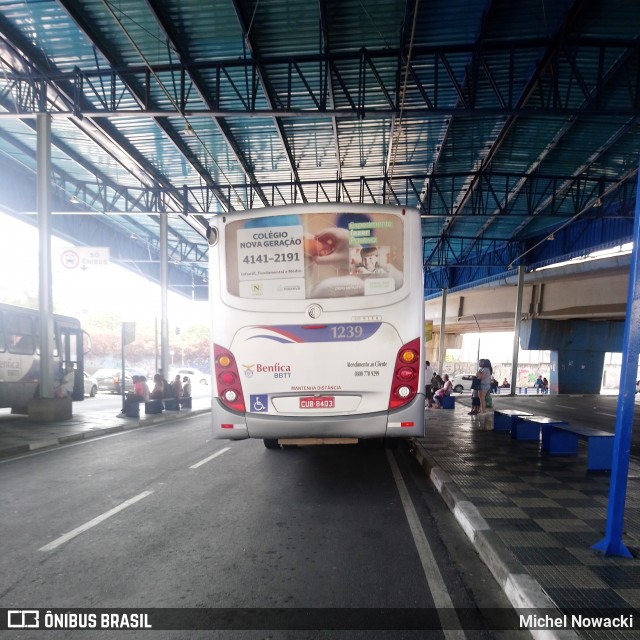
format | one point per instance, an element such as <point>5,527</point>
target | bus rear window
<point>316,255</point>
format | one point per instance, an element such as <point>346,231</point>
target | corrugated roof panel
<point>208,30</point>
<point>280,27</point>
<point>352,24</point>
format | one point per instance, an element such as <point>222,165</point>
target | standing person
<point>186,387</point>
<point>545,385</point>
<point>428,374</point>
<point>484,373</point>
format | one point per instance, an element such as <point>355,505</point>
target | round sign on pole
<point>70,259</point>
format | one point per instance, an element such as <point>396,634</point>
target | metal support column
<point>443,315</point>
<point>45,295</point>
<point>611,544</point>
<point>164,294</point>
<point>516,331</point>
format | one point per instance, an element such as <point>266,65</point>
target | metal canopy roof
<point>501,124</point>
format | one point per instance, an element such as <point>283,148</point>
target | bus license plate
<point>318,402</point>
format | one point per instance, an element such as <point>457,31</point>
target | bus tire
<point>271,443</point>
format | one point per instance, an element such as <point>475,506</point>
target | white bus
<point>20,355</point>
<point>317,323</point>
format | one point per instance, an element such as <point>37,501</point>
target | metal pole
<point>164,289</point>
<point>443,313</point>
<point>43,150</point>
<point>516,330</point>
<point>611,544</point>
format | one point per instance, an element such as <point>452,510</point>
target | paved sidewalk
<point>533,518</point>
<point>19,435</point>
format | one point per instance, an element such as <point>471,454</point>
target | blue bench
<point>563,441</point>
<point>172,404</point>
<point>448,402</point>
<point>528,429</point>
<point>504,419</point>
<point>185,402</point>
<point>153,406</point>
<point>131,408</point>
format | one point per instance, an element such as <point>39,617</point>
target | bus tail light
<point>227,378</point>
<point>405,375</point>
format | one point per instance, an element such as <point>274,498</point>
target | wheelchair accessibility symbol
<point>259,403</point>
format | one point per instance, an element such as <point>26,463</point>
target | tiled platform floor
<point>548,511</point>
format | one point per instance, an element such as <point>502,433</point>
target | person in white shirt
<point>428,374</point>
<point>69,379</point>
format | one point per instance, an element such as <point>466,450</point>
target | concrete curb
<point>521,589</point>
<point>127,425</point>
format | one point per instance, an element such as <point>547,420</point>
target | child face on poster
<point>370,258</point>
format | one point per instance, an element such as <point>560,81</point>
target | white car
<point>195,376</point>
<point>90,385</point>
<point>462,382</point>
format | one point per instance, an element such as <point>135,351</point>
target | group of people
<point>482,386</point>
<point>177,388</point>
<point>541,384</point>
<point>436,387</point>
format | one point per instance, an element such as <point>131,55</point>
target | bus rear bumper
<point>406,422</point>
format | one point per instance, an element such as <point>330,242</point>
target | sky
<point>78,293</point>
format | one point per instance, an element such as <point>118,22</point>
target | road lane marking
<point>610,415</point>
<point>566,406</point>
<point>437,586</point>
<point>215,455</point>
<point>92,523</point>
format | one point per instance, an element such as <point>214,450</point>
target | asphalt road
<point>164,517</point>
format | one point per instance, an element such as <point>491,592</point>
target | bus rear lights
<point>227,378</point>
<point>408,356</point>
<point>230,395</point>
<point>224,361</point>
<point>405,374</point>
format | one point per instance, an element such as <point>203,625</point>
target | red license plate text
<point>318,402</point>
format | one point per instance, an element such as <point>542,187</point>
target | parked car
<point>109,379</point>
<point>90,385</point>
<point>196,377</point>
<point>462,382</point>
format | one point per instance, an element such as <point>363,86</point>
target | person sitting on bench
<point>185,399</point>
<point>444,391</point>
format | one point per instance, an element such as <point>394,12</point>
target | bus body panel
<point>20,354</point>
<point>318,364</point>
<point>397,424</point>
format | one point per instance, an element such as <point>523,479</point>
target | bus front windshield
<point>315,255</point>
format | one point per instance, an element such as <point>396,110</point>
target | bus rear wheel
<point>271,443</point>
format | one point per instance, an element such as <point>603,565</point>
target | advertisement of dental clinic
<point>314,256</point>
